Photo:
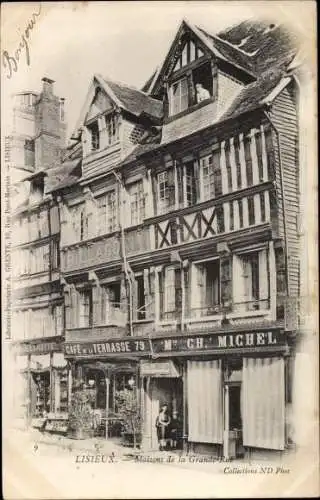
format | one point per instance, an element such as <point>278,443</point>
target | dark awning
<point>167,369</point>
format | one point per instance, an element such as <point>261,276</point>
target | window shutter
<point>148,283</point>
<point>178,289</point>
<point>226,280</point>
<point>135,299</point>
<point>262,400</point>
<point>186,284</point>
<point>197,179</point>
<point>263,275</point>
<point>217,172</point>
<point>171,187</point>
<point>205,401</point>
<point>74,308</point>
<point>179,168</point>
<point>96,305</point>
<point>170,289</point>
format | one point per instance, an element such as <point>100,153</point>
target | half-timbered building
<point>179,241</point>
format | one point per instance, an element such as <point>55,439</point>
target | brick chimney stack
<point>50,127</point>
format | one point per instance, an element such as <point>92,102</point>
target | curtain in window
<point>170,304</point>
<point>198,289</point>
<point>262,401</point>
<point>205,410</point>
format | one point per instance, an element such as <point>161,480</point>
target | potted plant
<point>128,410</point>
<point>80,414</point>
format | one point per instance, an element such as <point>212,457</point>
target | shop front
<point>41,385</point>
<point>229,390</point>
<point>106,370</point>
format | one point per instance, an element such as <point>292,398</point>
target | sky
<point>124,41</point>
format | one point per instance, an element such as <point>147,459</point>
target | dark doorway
<point>235,421</point>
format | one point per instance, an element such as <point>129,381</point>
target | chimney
<point>47,86</point>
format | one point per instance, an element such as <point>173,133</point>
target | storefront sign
<point>218,342</point>
<point>38,348</point>
<point>159,369</point>
<point>191,344</point>
<point>105,348</point>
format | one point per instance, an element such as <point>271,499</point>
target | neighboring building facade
<point>37,315</point>
<point>179,240</point>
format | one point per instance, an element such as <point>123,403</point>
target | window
<point>170,290</point>
<point>210,172</point>
<point>107,213</point>
<point>29,152</point>
<point>193,89</point>
<point>79,222</point>
<point>111,294</point>
<point>206,298</point>
<point>85,308</point>
<point>250,265</point>
<point>137,202</point>
<point>179,96</point>
<point>112,129</point>
<point>202,82</point>
<point>206,166</point>
<point>95,136</point>
<point>251,210</point>
<point>166,191</point>
<point>190,184</point>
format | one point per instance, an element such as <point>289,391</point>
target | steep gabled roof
<point>204,38</point>
<point>135,101</point>
<point>125,97</point>
<point>255,45</point>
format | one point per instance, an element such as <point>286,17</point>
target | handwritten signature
<point>11,62</point>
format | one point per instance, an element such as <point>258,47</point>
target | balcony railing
<point>210,310</point>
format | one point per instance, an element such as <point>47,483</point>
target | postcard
<point>159,244</point>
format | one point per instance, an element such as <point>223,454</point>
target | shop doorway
<point>159,391</point>
<point>232,443</point>
<point>40,400</point>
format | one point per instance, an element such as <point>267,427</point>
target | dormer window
<point>95,136</point>
<point>195,87</point>
<point>179,96</point>
<point>112,127</point>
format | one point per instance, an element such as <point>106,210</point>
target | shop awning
<point>108,368</point>
<point>166,369</point>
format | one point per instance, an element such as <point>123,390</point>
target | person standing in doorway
<point>175,433</point>
<point>163,421</point>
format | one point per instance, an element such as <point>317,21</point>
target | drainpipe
<point>283,200</point>
<point>124,255</point>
